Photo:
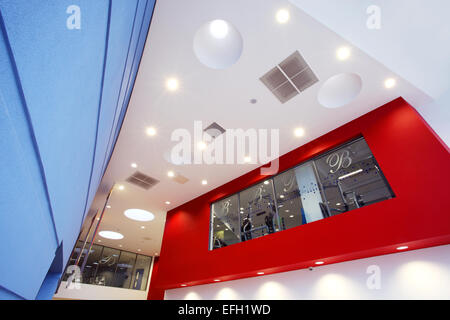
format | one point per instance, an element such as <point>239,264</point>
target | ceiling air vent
<point>214,130</point>
<point>292,76</point>
<point>142,180</point>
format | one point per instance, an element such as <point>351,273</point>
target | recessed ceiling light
<point>390,83</point>
<point>142,227</point>
<point>299,132</point>
<point>204,182</point>
<point>291,216</point>
<point>171,174</point>
<point>172,84</point>
<point>121,187</point>
<point>111,235</point>
<point>167,202</point>
<point>201,145</point>
<point>218,28</point>
<point>156,253</point>
<point>319,262</point>
<point>184,285</point>
<point>287,210</point>
<point>266,182</point>
<point>402,248</point>
<point>139,250</point>
<point>150,131</point>
<point>120,245</point>
<point>108,206</point>
<point>282,16</point>
<point>281,196</point>
<point>260,273</point>
<point>247,159</point>
<point>134,165</point>
<point>343,53</point>
<point>139,215</point>
<point>216,280</point>
<point>97,218</point>
<point>99,240</point>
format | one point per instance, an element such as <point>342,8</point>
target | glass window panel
<point>288,199</point>
<point>73,258</point>
<point>122,278</point>
<point>351,178</point>
<point>90,268</point>
<point>343,179</point>
<point>141,272</point>
<point>225,222</point>
<point>257,209</point>
<point>106,267</point>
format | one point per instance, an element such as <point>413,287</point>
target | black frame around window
<point>342,179</point>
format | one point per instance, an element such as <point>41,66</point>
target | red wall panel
<point>416,164</point>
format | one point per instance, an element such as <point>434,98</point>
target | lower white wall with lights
<point>415,274</point>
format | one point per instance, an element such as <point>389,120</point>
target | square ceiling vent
<point>292,76</point>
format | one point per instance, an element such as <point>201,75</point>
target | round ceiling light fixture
<point>390,83</point>
<point>218,44</point>
<point>282,16</point>
<point>110,235</point>
<point>340,90</point>
<point>343,53</point>
<point>172,84</point>
<point>139,215</point>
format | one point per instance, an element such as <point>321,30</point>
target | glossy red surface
<point>414,161</point>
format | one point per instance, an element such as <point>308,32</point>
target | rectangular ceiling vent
<point>142,180</point>
<point>292,76</point>
<point>214,130</point>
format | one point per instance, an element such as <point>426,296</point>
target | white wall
<point>416,274</point>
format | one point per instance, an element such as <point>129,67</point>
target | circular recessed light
<point>216,280</point>
<point>150,131</point>
<point>139,215</point>
<point>134,165</point>
<point>108,206</point>
<point>121,187</point>
<point>299,132</point>
<point>172,84</point>
<point>390,83</point>
<point>339,90</point>
<point>247,159</point>
<point>282,196</point>
<point>218,44</point>
<point>282,16</point>
<point>291,216</point>
<point>201,145</point>
<point>287,210</point>
<point>167,202</point>
<point>183,285</point>
<point>97,218</point>
<point>204,182</point>
<point>171,174</point>
<point>343,53</point>
<point>319,262</point>
<point>139,250</point>
<point>218,28</point>
<point>111,235</point>
<point>142,227</point>
<point>402,248</point>
<point>266,182</point>
<point>260,273</point>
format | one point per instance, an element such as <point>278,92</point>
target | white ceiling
<point>223,96</point>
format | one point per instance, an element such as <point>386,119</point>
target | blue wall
<point>63,96</point>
